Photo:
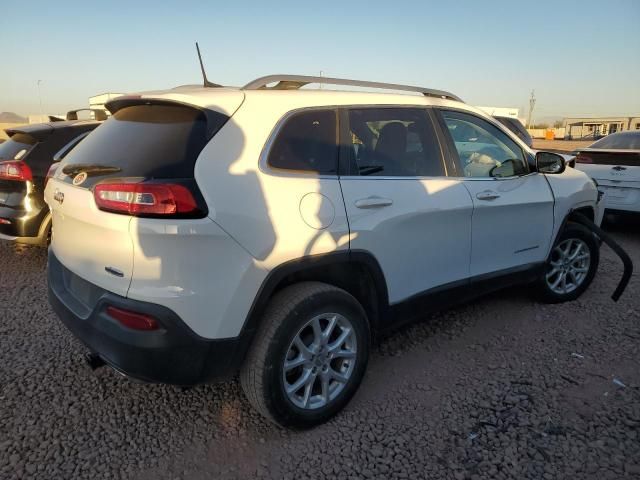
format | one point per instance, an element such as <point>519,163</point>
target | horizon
<point>488,56</point>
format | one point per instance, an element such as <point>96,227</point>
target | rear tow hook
<point>94,360</point>
<point>606,238</point>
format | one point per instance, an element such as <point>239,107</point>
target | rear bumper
<point>24,227</point>
<point>174,354</point>
<point>621,198</point>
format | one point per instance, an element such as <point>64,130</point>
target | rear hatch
<point>14,173</point>
<point>616,171</point>
<point>140,162</point>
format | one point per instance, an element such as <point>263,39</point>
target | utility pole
<point>40,97</point>
<point>320,77</point>
<point>532,103</point>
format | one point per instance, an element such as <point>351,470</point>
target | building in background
<point>503,112</point>
<point>596,127</point>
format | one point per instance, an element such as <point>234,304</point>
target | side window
<point>307,143</point>
<point>484,150</point>
<point>392,142</point>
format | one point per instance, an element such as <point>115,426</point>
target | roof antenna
<point>207,83</point>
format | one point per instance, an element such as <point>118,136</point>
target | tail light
<point>581,158</point>
<point>146,199</point>
<point>136,321</point>
<point>51,172</point>
<point>13,170</point>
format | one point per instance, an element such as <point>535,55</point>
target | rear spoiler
<point>99,115</point>
<point>214,122</point>
<point>40,132</point>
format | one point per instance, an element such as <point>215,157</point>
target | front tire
<point>309,355</point>
<point>571,266</point>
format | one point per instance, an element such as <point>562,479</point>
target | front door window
<point>484,150</point>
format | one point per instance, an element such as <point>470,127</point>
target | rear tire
<point>571,266</point>
<point>315,337</point>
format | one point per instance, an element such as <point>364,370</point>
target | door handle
<point>373,202</point>
<point>487,195</point>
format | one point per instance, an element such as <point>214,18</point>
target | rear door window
<point>17,147</point>
<point>156,141</point>
<point>392,142</point>
<point>307,142</point>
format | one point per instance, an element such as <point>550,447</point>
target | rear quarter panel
<point>194,268</point>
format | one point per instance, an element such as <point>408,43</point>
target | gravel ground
<point>500,388</point>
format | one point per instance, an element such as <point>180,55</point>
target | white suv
<point>275,231</point>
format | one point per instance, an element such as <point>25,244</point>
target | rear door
<point>141,143</point>
<point>401,206</point>
<point>513,208</point>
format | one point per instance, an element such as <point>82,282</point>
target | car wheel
<point>309,355</point>
<point>571,266</point>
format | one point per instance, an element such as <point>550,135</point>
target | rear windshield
<point>17,147</point>
<point>617,141</point>
<point>150,141</point>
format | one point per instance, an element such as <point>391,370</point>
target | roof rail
<point>294,82</point>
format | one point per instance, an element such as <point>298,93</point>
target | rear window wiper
<point>75,169</point>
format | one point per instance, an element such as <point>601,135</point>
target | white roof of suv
<point>226,99</point>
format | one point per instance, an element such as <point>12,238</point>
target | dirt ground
<point>502,388</point>
<point>561,146</point>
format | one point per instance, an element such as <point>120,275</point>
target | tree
<point>557,124</point>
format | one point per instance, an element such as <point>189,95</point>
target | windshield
<point>617,141</point>
<point>17,147</point>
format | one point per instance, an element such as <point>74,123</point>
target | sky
<point>580,57</point>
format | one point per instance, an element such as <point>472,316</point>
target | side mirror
<point>548,162</point>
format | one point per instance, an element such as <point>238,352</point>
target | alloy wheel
<point>568,266</point>
<point>319,361</point>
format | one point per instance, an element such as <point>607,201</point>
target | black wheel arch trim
<point>624,257</point>
<point>278,275</point>
<point>570,216</point>
<point>577,216</point>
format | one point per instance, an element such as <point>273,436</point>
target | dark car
<point>25,159</point>
<point>516,127</point>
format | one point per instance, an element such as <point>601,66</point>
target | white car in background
<point>275,230</point>
<point>614,163</point>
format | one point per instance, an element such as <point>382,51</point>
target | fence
<point>546,132</point>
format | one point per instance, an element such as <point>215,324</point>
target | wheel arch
<point>357,272</point>
<point>587,211</point>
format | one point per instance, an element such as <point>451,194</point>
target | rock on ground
<point>496,389</point>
